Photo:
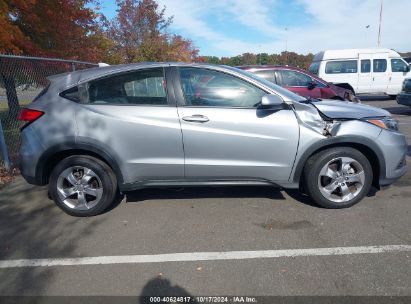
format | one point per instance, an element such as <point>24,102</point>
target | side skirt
<point>198,183</point>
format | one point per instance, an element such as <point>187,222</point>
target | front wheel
<point>83,185</point>
<point>338,177</point>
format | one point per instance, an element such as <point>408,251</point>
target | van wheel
<point>338,177</point>
<point>83,185</point>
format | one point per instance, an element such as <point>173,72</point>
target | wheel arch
<point>345,86</point>
<point>53,155</point>
<point>363,144</point>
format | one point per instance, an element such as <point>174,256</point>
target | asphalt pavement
<point>211,241</point>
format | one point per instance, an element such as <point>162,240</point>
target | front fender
<point>360,142</point>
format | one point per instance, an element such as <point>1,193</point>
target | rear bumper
<point>404,99</point>
<point>30,151</point>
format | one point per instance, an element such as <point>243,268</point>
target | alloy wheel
<point>79,188</point>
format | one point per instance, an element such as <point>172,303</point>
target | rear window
<point>340,67</point>
<point>266,74</point>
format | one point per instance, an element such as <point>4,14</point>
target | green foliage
<point>284,58</point>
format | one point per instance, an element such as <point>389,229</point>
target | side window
<point>294,79</point>
<point>320,84</point>
<point>338,67</point>
<point>398,65</point>
<point>144,87</point>
<point>365,66</point>
<point>379,65</point>
<point>202,87</point>
<point>266,74</point>
<point>314,67</point>
<point>71,94</point>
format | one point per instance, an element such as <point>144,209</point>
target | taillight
<point>29,116</point>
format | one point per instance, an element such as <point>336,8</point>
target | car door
<point>298,83</point>
<point>226,135</point>
<point>364,75</point>
<point>129,115</point>
<point>380,76</point>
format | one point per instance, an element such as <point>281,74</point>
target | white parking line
<point>202,256</point>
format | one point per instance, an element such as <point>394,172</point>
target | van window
<point>337,67</point>
<point>365,66</point>
<point>397,65</point>
<point>379,65</point>
<point>314,67</point>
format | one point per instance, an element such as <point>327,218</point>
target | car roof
<point>269,67</point>
<point>70,79</point>
<point>351,53</point>
<point>254,68</point>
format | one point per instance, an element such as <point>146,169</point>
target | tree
<point>56,28</point>
<point>67,29</point>
<point>139,32</point>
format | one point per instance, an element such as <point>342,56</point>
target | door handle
<point>196,118</point>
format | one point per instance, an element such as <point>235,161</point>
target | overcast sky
<point>233,27</point>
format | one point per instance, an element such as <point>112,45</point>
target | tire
<point>345,185</point>
<point>83,185</point>
<point>394,97</point>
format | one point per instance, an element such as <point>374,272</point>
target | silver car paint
<point>239,143</point>
<point>147,139</point>
<point>345,109</point>
<point>148,143</point>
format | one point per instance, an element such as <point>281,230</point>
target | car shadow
<point>31,227</point>
<point>374,97</point>
<point>266,192</point>
<point>399,110</point>
<point>204,192</point>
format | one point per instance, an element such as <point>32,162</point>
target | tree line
<point>139,31</point>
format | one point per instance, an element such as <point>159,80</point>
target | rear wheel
<point>338,177</point>
<point>83,185</point>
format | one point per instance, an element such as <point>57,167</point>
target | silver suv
<point>93,133</point>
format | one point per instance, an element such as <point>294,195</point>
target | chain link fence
<point>21,79</point>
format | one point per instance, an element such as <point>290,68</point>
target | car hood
<point>348,110</point>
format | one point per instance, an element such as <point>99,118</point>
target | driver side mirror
<point>311,85</point>
<point>271,100</point>
<point>407,69</point>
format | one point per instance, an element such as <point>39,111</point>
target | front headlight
<point>387,123</point>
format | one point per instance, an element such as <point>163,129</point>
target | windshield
<point>286,93</point>
<point>314,67</point>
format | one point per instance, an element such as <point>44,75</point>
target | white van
<point>364,71</point>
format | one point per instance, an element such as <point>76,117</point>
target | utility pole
<point>286,47</point>
<point>379,27</point>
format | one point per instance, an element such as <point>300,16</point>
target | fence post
<point>3,147</point>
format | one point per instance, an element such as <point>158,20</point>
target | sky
<point>233,27</point>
